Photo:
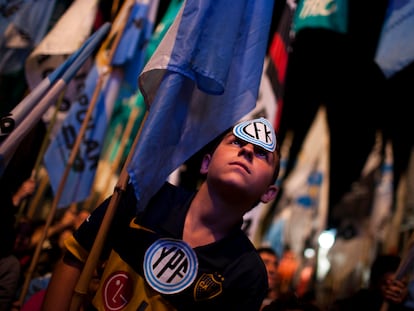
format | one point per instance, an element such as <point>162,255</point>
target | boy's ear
<point>205,163</point>
<point>270,194</point>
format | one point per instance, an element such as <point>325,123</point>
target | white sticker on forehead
<point>258,132</point>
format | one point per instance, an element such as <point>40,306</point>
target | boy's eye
<point>261,153</point>
<point>237,142</point>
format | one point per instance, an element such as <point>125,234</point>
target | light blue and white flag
<point>203,78</point>
<point>18,123</point>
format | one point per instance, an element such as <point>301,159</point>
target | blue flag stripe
<point>203,77</point>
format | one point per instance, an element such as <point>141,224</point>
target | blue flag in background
<point>30,110</point>
<point>396,49</point>
<point>203,78</point>
<point>23,24</point>
<point>123,109</point>
<point>131,53</point>
<point>112,73</point>
<point>81,176</point>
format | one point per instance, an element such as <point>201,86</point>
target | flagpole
<point>93,257</point>
<point>82,285</point>
<point>127,133</point>
<point>103,172</point>
<point>79,58</point>
<point>36,168</point>
<point>35,200</point>
<point>59,192</point>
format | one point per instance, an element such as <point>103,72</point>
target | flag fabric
<point>62,40</point>
<point>30,110</point>
<point>203,77</point>
<point>163,26</point>
<point>131,52</point>
<point>278,57</point>
<point>395,49</point>
<point>22,25</point>
<point>131,55</point>
<point>300,213</point>
<point>122,110</point>
<point>110,67</point>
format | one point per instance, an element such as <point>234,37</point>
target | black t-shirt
<point>229,276</point>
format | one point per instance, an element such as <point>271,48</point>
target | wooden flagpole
<point>36,167</point>
<point>60,189</point>
<point>68,167</point>
<point>93,257</point>
<point>82,285</point>
<point>57,87</point>
<point>124,139</point>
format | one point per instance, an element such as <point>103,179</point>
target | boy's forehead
<point>258,132</point>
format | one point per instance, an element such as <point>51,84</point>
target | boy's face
<point>241,165</point>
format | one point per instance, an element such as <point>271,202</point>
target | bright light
<point>326,239</point>
<point>309,253</point>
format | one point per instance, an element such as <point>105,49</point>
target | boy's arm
<point>61,286</point>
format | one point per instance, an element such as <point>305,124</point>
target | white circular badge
<point>170,266</point>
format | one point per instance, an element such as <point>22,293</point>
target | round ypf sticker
<point>170,266</point>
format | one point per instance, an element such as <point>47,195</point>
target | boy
<point>185,251</point>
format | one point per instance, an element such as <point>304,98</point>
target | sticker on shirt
<point>170,266</point>
<point>117,291</point>
<point>258,132</point>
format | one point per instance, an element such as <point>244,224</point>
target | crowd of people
<point>18,244</point>
<point>384,291</point>
<point>186,250</point>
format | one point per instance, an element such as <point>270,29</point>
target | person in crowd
<point>52,249</point>
<point>9,264</point>
<point>383,288</point>
<point>185,250</point>
<point>29,233</point>
<point>288,268</point>
<point>271,261</point>
<point>16,185</point>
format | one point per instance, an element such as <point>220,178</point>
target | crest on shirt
<point>258,132</point>
<point>208,286</point>
<point>170,266</point>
